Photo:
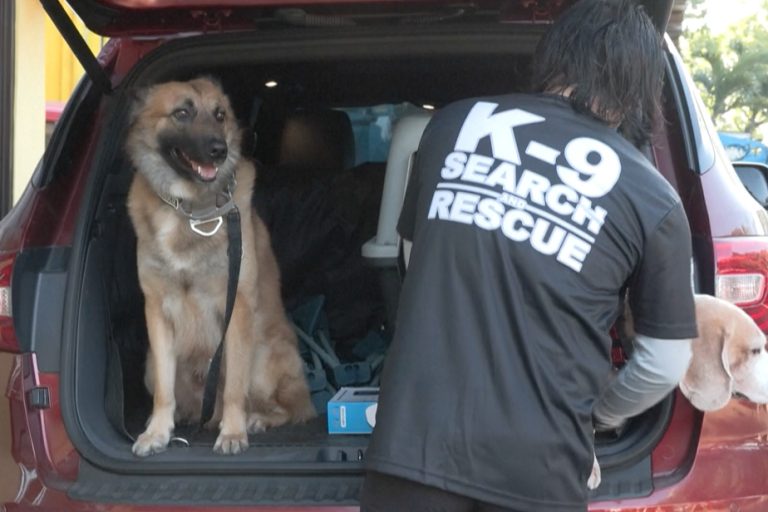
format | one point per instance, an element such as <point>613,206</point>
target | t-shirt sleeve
<point>661,291</point>
<point>407,221</point>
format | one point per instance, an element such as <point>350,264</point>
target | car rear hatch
<point>126,18</point>
<point>147,17</point>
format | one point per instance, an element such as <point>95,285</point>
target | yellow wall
<point>46,71</point>
<point>29,93</point>
<point>62,69</point>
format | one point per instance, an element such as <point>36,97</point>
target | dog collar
<point>203,221</point>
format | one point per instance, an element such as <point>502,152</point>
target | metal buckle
<point>195,223</point>
<point>176,440</point>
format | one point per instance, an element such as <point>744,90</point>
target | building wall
<point>62,69</point>
<point>675,27</point>
<point>29,93</point>
<point>46,73</point>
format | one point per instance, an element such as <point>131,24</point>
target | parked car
<point>740,147</point>
<point>71,309</point>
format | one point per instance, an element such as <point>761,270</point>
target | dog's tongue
<point>206,171</point>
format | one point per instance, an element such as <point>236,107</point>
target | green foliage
<point>730,69</point>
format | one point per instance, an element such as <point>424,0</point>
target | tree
<point>696,9</point>
<point>731,70</point>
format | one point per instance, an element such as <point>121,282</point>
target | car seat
<point>382,251</point>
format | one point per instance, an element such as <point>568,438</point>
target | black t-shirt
<point>527,221</point>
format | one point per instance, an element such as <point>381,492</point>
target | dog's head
<point>184,137</point>
<point>729,357</point>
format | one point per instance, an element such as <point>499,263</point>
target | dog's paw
<point>595,477</point>
<point>151,442</point>
<point>231,443</point>
<point>256,424</point>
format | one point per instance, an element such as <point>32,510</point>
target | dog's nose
<point>217,149</point>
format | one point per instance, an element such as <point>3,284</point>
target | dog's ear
<point>210,78</point>
<point>708,383</point>
<point>138,98</point>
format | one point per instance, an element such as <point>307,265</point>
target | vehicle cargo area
<point>321,121</point>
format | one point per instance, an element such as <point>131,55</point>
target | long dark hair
<point>607,55</point>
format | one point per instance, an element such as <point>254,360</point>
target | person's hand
<point>602,427</point>
<point>606,427</point>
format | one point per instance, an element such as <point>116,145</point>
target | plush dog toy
<point>729,358</point>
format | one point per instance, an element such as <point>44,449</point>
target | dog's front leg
<point>238,358</point>
<point>163,367</point>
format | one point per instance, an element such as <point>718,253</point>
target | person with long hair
<point>532,217</point>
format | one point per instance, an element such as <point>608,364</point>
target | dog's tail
<point>293,395</point>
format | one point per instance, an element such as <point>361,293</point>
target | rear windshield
<point>372,127</point>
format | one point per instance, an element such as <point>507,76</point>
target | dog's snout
<point>217,149</point>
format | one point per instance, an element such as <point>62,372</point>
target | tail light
<point>741,274</point>
<point>8,342</point>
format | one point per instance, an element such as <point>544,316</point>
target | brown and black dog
<point>184,143</point>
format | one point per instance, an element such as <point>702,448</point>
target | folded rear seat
<point>319,210</point>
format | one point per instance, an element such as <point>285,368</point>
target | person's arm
<point>663,314</point>
<point>654,370</point>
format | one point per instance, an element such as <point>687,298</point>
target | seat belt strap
<point>234,255</point>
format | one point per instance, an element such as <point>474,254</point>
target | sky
<point>723,13</point>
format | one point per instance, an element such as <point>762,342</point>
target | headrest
<point>318,140</point>
<point>406,137</point>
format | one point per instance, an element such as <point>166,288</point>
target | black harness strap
<point>234,255</point>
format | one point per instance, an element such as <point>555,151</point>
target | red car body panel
<point>701,460</point>
<point>156,17</point>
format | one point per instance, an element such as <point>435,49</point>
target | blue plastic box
<point>353,411</point>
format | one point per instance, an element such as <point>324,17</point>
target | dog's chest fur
<point>175,248</point>
<point>190,270</point>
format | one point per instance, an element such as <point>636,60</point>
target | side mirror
<point>754,176</point>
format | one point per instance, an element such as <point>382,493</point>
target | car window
<point>372,127</point>
<point>755,182</point>
<point>701,132</point>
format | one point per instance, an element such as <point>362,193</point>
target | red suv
<point>332,95</point>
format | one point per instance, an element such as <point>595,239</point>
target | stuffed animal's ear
<point>708,383</point>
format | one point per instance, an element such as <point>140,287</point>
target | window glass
<point>755,182</point>
<point>372,127</point>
